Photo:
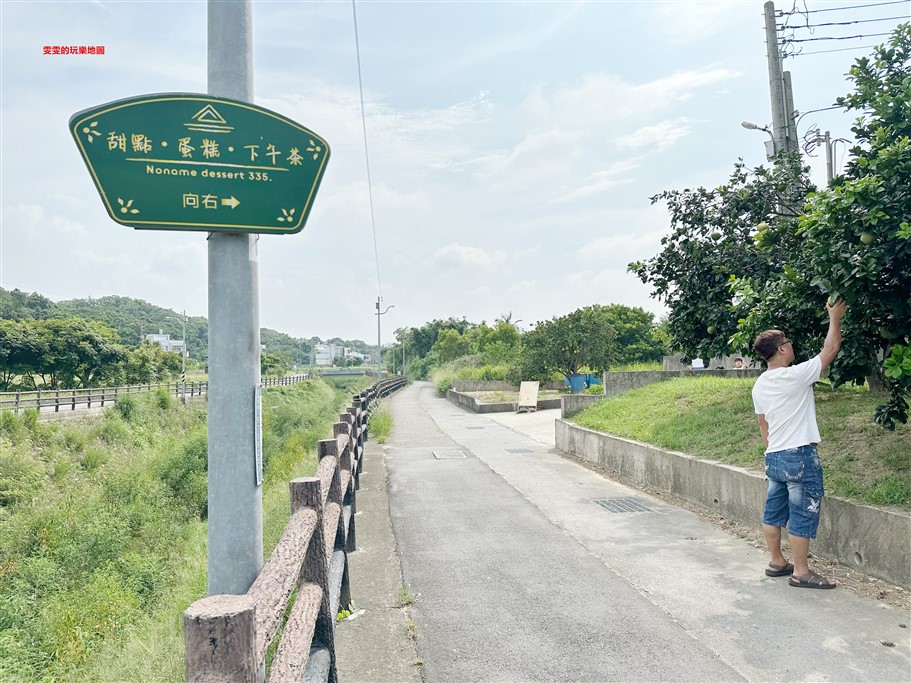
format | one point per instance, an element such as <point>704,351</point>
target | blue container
<point>577,384</point>
<point>593,378</point>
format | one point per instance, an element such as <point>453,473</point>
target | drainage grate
<point>518,450</point>
<point>622,505</point>
<point>474,428</point>
<point>448,455</point>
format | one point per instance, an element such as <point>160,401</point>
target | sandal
<point>785,569</point>
<point>811,580</point>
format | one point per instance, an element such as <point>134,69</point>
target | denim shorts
<point>795,490</point>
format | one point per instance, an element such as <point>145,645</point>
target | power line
<point>847,23</point>
<point>839,9</point>
<point>360,85</point>
<point>810,40</point>
<point>822,52</point>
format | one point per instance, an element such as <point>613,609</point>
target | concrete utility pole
<point>782,115</point>
<point>235,499</point>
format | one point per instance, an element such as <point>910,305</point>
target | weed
<point>163,398</point>
<point>406,597</point>
<point>411,629</point>
<point>127,407</point>
<point>21,476</point>
<point>380,424</point>
<point>417,661</point>
<point>93,458</point>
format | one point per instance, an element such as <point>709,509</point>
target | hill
<point>132,318</point>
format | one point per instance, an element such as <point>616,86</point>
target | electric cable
<point>848,23</point>
<point>810,40</point>
<point>839,9</point>
<point>821,52</point>
<point>360,85</point>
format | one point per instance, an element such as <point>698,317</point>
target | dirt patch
<point>848,578</point>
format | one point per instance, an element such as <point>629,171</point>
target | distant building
<point>166,343</point>
<point>324,355</point>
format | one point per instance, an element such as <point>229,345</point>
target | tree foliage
<point>566,344</point>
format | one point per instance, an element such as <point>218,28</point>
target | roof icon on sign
<point>209,120</point>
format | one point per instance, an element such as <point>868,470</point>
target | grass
<point>712,417</point>
<point>509,396</point>
<point>380,424</point>
<point>406,597</point>
<point>103,532</point>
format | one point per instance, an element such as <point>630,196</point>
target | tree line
<point>595,338</point>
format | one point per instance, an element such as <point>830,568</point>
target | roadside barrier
<point>227,637</point>
<point>62,400</point>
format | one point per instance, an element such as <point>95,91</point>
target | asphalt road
<point>523,576</point>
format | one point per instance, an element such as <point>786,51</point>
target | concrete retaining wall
<point>497,385</point>
<point>875,540</point>
<point>472,404</point>
<point>619,382</point>
<point>574,403</point>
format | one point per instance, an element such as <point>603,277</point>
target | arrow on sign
<point>233,202</point>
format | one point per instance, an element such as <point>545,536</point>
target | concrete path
<point>523,576</point>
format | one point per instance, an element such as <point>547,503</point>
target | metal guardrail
<point>62,400</point>
<point>226,637</point>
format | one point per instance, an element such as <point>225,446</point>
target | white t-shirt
<point>785,397</point>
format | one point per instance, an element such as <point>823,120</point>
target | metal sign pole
<point>235,499</point>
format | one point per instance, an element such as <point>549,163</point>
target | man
<point>786,410</point>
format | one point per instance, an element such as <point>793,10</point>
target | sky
<point>513,146</point>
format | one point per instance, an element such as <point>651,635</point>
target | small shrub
<point>77,623</point>
<point>113,429</point>
<point>163,399</point>
<point>184,472</point>
<point>444,385</point>
<point>93,458</point>
<point>75,439</point>
<point>30,419</point>
<point>143,573</point>
<point>380,424</point>
<point>12,426</point>
<point>21,477</point>
<point>127,407</point>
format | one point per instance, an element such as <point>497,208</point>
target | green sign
<point>176,161</point>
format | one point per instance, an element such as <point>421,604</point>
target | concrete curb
<point>475,406</point>
<point>875,540</point>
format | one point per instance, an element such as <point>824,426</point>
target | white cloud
<point>656,137</point>
<point>455,257</point>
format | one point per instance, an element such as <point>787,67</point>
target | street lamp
<point>769,145</point>
<point>379,348</point>
<point>183,356</point>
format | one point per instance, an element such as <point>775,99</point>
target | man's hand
<point>837,310</point>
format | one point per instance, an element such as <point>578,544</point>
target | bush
<point>163,398</point>
<point>380,424</point>
<point>184,473</point>
<point>127,407</point>
<point>21,477</point>
<point>77,622</point>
